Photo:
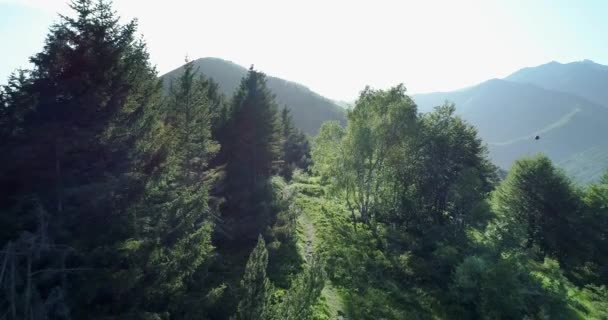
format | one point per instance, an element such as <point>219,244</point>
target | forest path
<point>329,294</point>
<point>309,236</point>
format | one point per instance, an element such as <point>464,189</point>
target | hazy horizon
<point>337,48</point>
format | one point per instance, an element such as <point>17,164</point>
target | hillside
<point>508,115</point>
<point>308,108</point>
<point>588,165</point>
<point>122,199</point>
<point>585,79</point>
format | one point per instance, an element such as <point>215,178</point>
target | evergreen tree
<point>255,285</point>
<point>176,221</point>
<point>76,117</point>
<point>295,146</point>
<point>286,122</point>
<point>253,142</point>
<point>190,116</point>
<point>304,292</point>
<point>15,104</point>
<point>34,271</point>
<point>88,88</point>
<point>217,106</point>
<point>251,149</point>
<point>111,197</point>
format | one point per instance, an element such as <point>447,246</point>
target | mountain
<point>309,109</point>
<point>585,79</point>
<point>344,104</point>
<point>508,115</point>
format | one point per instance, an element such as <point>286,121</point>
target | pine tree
<point>15,103</point>
<point>217,106</point>
<point>253,144</point>
<point>34,274</point>
<point>255,285</point>
<point>175,220</point>
<point>295,149</point>
<point>190,114</point>
<point>79,112</point>
<point>287,127</point>
<point>89,86</point>
<point>304,292</point>
<point>251,149</point>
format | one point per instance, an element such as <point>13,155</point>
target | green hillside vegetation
<point>124,198</point>
<point>587,165</point>
<point>509,115</point>
<point>308,108</point>
<point>441,237</point>
<point>521,110</point>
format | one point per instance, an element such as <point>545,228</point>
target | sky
<point>337,47</point>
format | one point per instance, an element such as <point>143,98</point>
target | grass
<point>357,287</point>
<point>365,283</point>
<point>311,224</point>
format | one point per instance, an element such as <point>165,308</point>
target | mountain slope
<point>308,108</point>
<point>589,165</point>
<point>585,79</point>
<point>508,115</point>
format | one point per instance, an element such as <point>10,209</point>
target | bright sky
<point>337,47</point>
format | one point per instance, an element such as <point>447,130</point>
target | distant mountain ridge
<point>585,79</point>
<point>565,104</point>
<point>309,109</point>
<point>553,101</point>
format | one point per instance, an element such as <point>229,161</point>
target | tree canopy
<point>126,200</point>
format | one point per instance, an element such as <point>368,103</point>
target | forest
<point>126,197</point>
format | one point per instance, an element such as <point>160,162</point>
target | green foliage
<point>188,117</point>
<point>417,181</point>
<point>295,147</point>
<point>431,213</point>
<point>119,203</point>
<point>32,274</point>
<point>253,142</point>
<point>457,174</point>
<point>537,206</point>
<point>305,290</point>
<point>377,127</point>
<point>174,220</point>
<point>255,285</point>
<point>120,170</point>
<point>509,114</point>
<point>326,151</point>
<point>73,123</point>
<point>500,289</point>
<point>591,302</point>
<point>252,151</point>
<point>15,104</point>
<point>595,223</point>
<point>284,258</point>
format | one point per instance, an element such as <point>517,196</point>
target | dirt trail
<point>333,298</point>
<point>309,236</point>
